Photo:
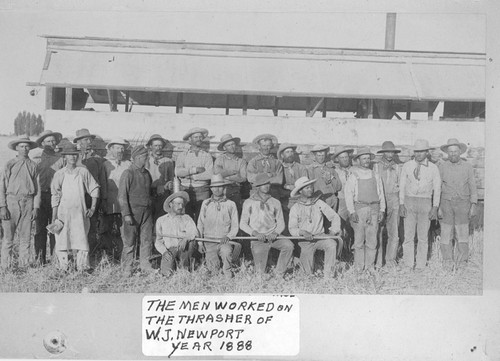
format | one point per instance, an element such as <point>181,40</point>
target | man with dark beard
<point>50,162</point>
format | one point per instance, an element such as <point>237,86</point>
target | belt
<point>368,203</point>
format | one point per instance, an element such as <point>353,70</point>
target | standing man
<point>114,167</point>
<point>175,234</point>
<point>327,178</point>
<point>231,167</point>
<point>50,162</point>
<point>306,220</point>
<point>95,165</point>
<point>134,197</point>
<point>266,163</point>
<point>389,169</point>
<point>458,202</point>
<point>262,218</point>
<point>219,220</point>
<point>343,157</point>
<point>194,167</point>
<point>19,202</point>
<point>161,169</point>
<point>419,194</point>
<point>364,197</point>
<point>292,171</point>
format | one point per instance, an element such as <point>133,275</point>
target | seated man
<point>306,220</point>
<point>175,233</point>
<point>262,217</point>
<point>219,220</point>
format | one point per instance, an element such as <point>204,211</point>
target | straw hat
<point>13,144</point>
<point>320,148</point>
<point>421,145</point>
<point>388,146</point>
<point>83,133</point>
<point>194,131</point>
<point>227,138</point>
<point>284,147</point>
<point>454,141</point>
<point>342,149</point>
<point>364,151</point>
<point>177,193</point>
<point>258,138</point>
<point>300,183</point>
<point>218,180</point>
<point>119,141</point>
<point>48,133</point>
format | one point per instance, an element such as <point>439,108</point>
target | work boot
<point>446,252</point>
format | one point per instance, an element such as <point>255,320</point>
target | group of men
<point>196,206</point>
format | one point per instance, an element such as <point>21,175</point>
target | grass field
<point>108,278</point>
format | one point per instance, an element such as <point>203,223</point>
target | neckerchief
<point>262,199</point>
<point>416,171</point>
<point>217,201</point>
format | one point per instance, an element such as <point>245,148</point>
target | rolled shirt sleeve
<point>350,192</point>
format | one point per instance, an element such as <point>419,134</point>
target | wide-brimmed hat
<point>119,141</point>
<point>342,149</point>
<point>227,138</point>
<point>194,131</point>
<point>388,146</point>
<point>363,151</point>
<point>261,179</point>
<point>69,149</point>
<point>421,145</point>
<point>320,148</point>
<point>301,183</point>
<point>454,141</point>
<point>170,198</point>
<point>258,138</point>
<point>285,146</point>
<point>48,133</point>
<point>13,144</point>
<point>138,151</point>
<point>83,133</point>
<point>218,180</point>
<point>156,137</point>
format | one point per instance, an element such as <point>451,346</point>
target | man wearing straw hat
<point>194,167</point>
<point>292,171</point>
<point>134,197</point>
<point>306,220</point>
<point>161,169</point>
<point>266,163</point>
<point>95,164</point>
<point>389,169</point>
<point>327,178</point>
<point>49,163</point>
<point>19,201</point>
<point>458,202</point>
<point>231,167</point>
<point>69,186</point>
<point>364,196</point>
<point>175,233</point>
<point>218,220</point>
<point>114,166</point>
<point>262,218</point>
<point>419,194</point>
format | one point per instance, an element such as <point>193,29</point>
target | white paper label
<point>220,325</point>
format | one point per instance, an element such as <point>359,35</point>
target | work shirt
<point>265,164</point>
<point>50,162</point>
<point>327,179</point>
<point>309,217</point>
<point>218,218</point>
<point>263,216</point>
<point>352,191</point>
<point>390,173</point>
<point>228,163</point>
<point>428,184</point>
<point>20,178</point>
<point>458,181</point>
<point>95,165</point>
<point>161,170</point>
<point>344,174</point>
<point>292,172</point>
<point>189,159</point>
<point>134,189</point>
<point>173,225</point>
<point>114,172</point>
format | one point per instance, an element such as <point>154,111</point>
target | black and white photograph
<point>181,179</point>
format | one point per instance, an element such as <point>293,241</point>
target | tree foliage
<point>27,123</point>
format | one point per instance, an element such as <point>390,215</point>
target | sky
<point>458,28</point>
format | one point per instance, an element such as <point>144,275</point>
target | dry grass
<point>108,278</point>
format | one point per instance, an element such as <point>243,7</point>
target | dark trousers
<point>42,221</point>
<point>142,228</point>
<point>175,258</point>
<point>196,197</point>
